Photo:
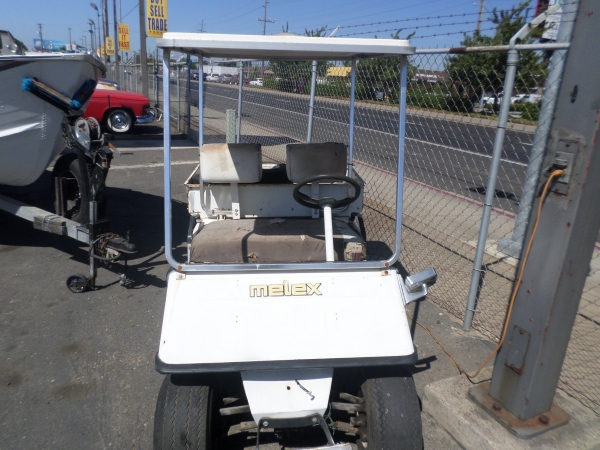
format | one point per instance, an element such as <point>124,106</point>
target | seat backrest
<point>230,163</point>
<point>309,160</point>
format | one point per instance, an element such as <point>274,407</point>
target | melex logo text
<point>280,290</point>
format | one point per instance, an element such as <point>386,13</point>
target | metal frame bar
<point>512,61</point>
<point>494,48</point>
<point>307,266</point>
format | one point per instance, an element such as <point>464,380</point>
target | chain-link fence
<point>453,104</point>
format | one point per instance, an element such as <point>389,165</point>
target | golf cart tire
<point>393,414</point>
<point>182,418</point>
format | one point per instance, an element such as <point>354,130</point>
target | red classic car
<point>118,110</point>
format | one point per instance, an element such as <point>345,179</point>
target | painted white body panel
<point>267,200</point>
<point>275,393</point>
<point>286,47</point>
<point>211,317</point>
<point>30,128</point>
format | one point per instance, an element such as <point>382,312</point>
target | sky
<point>437,23</point>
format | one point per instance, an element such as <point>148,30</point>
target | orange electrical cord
<point>554,174</point>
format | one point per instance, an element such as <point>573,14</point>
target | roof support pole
<point>351,131</point>
<point>400,168</point>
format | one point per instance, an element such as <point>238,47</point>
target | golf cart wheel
<point>393,415</point>
<point>119,121</point>
<point>183,416</point>
<point>78,283</point>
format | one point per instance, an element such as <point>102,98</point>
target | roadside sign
<point>156,17</point>
<point>110,46</point>
<point>123,37</point>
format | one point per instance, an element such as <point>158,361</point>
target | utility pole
<point>264,21</point>
<point>41,36</point>
<point>70,44</point>
<point>481,8</point>
<point>105,24</point>
<point>116,36</point>
<point>143,55</point>
<point>201,30</point>
<point>528,366</point>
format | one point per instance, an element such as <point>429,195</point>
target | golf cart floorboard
<point>274,240</point>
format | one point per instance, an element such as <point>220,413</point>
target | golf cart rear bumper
<point>164,368</point>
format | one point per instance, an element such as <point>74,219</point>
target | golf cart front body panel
<point>285,394</point>
<point>247,319</point>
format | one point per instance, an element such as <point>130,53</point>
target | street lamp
<point>92,24</point>
<point>84,42</point>
<point>93,5</point>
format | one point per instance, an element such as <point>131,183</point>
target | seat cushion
<point>274,240</point>
<point>309,160</point>
<point>230,163</point>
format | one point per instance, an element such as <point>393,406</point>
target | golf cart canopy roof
<point>283,47</point>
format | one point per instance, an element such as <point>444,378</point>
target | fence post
<point>530,361</point>
<point>230,126</point>
<point>239,114</point>
<point>512,246</point>
<point>311,107</point>
<point>490,190</point>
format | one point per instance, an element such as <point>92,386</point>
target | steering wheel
<point>318,203</point>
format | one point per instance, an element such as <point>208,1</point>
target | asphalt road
<point>449,155</point>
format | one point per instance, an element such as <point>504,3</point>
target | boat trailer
<point>81,196</point>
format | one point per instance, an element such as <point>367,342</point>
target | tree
<point>476,73</point>
<point>383,73</point>
<point>21,45</point>
<point>295,76</point>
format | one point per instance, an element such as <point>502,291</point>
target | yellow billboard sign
<point>123,37</point>
<point>156,18</point>
<point>110,46</point>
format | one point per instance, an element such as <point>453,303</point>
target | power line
<point>413,28</point>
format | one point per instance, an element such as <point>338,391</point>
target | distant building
<point>337,71</point>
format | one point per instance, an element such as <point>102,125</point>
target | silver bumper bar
<point>149,117</point>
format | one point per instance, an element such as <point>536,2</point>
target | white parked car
<point>212,77</point>
<point>257,82</point>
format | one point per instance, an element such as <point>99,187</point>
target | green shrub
<point>530,111</point>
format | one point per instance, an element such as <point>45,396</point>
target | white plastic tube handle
<point>329,255</point>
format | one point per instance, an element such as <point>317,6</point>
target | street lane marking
<point>150,165</point>
<point>392,134</point>
<point>150,149</point>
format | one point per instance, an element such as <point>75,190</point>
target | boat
<point>38,91</point>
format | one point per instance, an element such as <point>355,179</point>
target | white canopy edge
<point>286,47</point>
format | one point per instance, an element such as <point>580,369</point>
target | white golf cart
<point>278,312</point>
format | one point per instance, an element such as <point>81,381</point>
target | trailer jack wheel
<point>78,283</point>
